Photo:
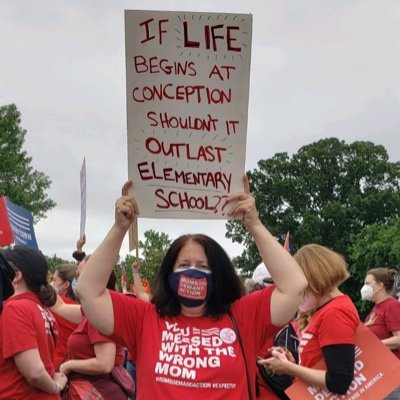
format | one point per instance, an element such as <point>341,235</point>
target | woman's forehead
<point>192,250</point>
<point>370,278</point>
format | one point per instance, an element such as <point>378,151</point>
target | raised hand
<point>244,205</point>
<point>126,208</point>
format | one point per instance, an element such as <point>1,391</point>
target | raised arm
<point>285,272</point>
<point>70,312</point>
<point>95,298</point>
<point>137,281</point>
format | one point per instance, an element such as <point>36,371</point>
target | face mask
<point>74,284</point>
<point>192,286</point>
<point>367,292</point>
<point>309,302</point>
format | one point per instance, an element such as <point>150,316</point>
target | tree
<point>153,249</point>
<point>374,246</point>
<point>53,261</point>
<point>22,184</point>
<point>327,192</point>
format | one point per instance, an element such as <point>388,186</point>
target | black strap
<point>236,329</point>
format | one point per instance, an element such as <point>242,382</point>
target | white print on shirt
<point>359,384</point>
<point>185,351</point>
<point>49,321</point>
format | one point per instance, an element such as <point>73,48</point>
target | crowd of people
<point>202,333</point>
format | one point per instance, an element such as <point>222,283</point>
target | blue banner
<point>21,222</point>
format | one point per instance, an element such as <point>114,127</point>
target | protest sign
<point>16,224</point>
<point>187,77</point>
<point>376,373</point>
<point>82,176</point>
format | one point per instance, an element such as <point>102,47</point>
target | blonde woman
<point>327,324</point>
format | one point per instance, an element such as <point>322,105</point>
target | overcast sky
<point>319,68</point>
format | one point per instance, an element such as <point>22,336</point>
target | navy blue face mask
<point>191,285</point>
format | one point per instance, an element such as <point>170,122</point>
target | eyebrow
<point>185,260</point>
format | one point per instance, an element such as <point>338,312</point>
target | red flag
<point>6,235</point>
<point>286,244</point>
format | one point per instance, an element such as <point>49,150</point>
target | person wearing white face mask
<point>327,324</point>
<point>384,318</point>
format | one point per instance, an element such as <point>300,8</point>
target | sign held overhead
<point>187,102</point>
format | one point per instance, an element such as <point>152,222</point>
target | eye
<point>183,265</point>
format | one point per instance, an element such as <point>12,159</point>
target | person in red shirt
<point>91,356</point>
<point>384,318</point>
<point>199,336</point>
<point>327,324</point>
<point>62,283</point>
<point>28,331</point>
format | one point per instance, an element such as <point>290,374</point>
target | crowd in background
<point>74,335</point>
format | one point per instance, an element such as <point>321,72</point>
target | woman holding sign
<point>199,337</point>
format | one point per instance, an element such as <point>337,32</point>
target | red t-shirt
<point>334,323</point>
<point>25,325</point>
<point>82,340</point>
<point>384,319</point>
<point>193,357</point>
<point>65,328</point>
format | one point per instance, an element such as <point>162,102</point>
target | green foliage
<point>152,250</point>
<point>375,246</point>
<point>325,193</point>
<point>22,184</point>
<point>53,261</point>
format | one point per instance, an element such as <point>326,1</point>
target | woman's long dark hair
<point>227,286</point>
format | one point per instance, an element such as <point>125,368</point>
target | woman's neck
<point>335,292</point>
<point>381,296</point>
<point>193,311</point>
<point>20,288</point>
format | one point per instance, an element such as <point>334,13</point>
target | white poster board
<point>187,77</point>
<point>82,176</point>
